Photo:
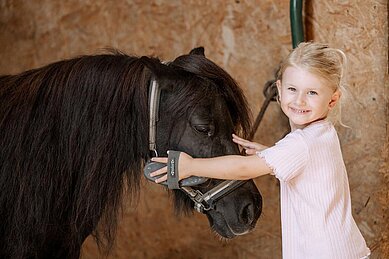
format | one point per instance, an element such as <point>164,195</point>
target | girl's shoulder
<point>317,129</point>
<point>315,132</point>
<point>324,123</point>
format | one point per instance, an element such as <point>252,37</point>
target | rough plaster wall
<point>248,39</point>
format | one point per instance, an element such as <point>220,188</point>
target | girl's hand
<point>183,167</point>
<point>250,147</point>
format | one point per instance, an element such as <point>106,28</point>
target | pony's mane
<point>73,132</point>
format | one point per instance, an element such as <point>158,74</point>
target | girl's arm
<point>232,167</point>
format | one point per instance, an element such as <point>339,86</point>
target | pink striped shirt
<point>316,214</point>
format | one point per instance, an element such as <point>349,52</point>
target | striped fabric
<point>315,197</point>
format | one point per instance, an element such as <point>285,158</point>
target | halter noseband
<point>203,202</point>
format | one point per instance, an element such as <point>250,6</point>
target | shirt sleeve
<point>288,157</point>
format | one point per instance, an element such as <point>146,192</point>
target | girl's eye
<point>292,89</point>
<point>312,93</point>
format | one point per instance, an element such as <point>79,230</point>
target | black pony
<point>74,139</point>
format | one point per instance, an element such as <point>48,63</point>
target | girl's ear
<point>334,99</point>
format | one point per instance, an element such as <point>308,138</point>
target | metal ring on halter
<point>154,152</point>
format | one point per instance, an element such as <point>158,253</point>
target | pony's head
<point>200,107</point>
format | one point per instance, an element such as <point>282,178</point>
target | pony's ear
<point>197,51</point>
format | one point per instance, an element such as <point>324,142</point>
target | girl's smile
<point>298,111</point>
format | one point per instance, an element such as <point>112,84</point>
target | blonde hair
<point>324,62</point>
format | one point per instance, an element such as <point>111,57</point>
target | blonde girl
<point>316,213</point>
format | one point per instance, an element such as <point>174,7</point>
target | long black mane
<point>73,142</point>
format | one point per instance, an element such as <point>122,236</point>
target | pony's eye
<point>204,129</point>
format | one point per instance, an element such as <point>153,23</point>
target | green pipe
<point>296,22</point>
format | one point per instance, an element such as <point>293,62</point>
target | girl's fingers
<point>238,138</point>
<point>235,137</point>
<point>242,143</point>
<point>250,147</point>
<point>160,171</point>
<point>251,151</point>
<point>161,179</point>
<point>159,159</point>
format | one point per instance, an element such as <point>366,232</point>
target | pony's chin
<point>223,237</point>
<point>223,234</point>
<point>221,227</point>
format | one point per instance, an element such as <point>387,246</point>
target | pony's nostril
<point>247,214</point>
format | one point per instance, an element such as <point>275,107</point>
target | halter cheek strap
<point>154,97</point>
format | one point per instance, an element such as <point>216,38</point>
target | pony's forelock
<point>218,81</point>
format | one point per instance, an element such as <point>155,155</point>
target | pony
<point>74,140</point>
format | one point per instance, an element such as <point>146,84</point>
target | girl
<point>316,214</point>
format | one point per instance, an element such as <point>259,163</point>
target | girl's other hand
<point>183,167</point>
<point>250,147</point>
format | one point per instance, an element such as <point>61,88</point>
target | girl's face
<point>304,97</point>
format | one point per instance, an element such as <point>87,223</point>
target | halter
<point>203,202</point>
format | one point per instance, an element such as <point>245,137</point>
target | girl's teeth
<point>299,111</point>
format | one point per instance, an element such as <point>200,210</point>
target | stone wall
<point>248,39</point>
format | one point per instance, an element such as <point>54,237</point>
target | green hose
<point>296,22</point>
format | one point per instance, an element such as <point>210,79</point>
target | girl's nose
<point>300,99</point>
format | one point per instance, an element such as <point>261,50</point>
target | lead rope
<point>270,92</point>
